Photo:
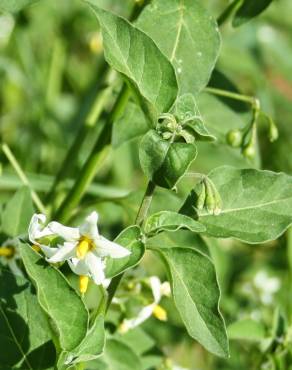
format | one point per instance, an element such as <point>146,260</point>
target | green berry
<point>234,138</point>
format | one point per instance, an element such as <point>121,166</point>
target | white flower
<point>37,231</point>
<point>267,286</point>
<point>9,255</point>
<point>84,248</point>
<point>158,290</point>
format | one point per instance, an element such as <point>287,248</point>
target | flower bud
<point>202,197</point>
<point>273,131</point>
<point>249,151</point>
<point>234,138</point>
<point>210,198</point>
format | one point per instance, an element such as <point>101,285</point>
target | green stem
<point>141,215</point>
<point>14,163</point>
<point>227,12</point>
<point>82,133</point>
<point>96,156</point>
<point>254,102</point>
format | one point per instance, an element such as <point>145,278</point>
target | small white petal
<point>156,288</point>
<point>14,267</point>
<point>165,289</point>
<point>79,267</point>
<point>36,229</point>
<point>63,253</point>
<point>48,251</point>
<point>106,248</point>
<point>143,315</point>
<point>96,268</point>
<point>89,227</point>
<point>65,232</point>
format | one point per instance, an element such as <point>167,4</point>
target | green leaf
<point>196,295</point>
<point>129,238</point>
<point>246,329</point>
<point>120,356</point>
<point>137,339</point>
<point>188,113</point>
<point>91,347</point>
<point>57,298</point>
<point>257,205</point>
<point>165,162</point>
<point>132,124</point>
<point>171,221</point>
<point>14,5</point>
<point>24,331</point>
<point>17,213</point>
<point>132,53</point>
<point>248,10</point>
<point>187,35</point>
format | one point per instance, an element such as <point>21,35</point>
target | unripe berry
<point>234,138</point>
<point>249,151</point>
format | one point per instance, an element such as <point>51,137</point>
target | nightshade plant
<point>71,298</point>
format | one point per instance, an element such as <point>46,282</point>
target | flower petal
<point>64,252</point>
<point>143,315</point>
<point>96,267</point>
<point>89,227</point>
<point>36,229</point>
<point>156,288</point>
<point>79,267</point>
<point>48,251</point>
<point>65,232</point>
<point>105,247</point>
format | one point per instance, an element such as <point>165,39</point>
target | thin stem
<point>95,158</point>
<point>223,17</point>
<point>14,163</point>
<point>145,204</point>
<point>141,215</point>
<point>228,94</point>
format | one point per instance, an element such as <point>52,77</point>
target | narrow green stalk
<point>254,102</point>
<point>14,163</point>
<point>227,12</point>
<point>82,133</point>
<point>96,156</point>
<point>141,215</point>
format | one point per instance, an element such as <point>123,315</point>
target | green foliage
<point>188,36</point>
<point>165,162</point>
<point>53,289</point>
<point>249,9</point>
<point>196,295</point>
<point>170,221</point>
<point>129,238</point>
<point>24,329</point>
<point>17,213</point>
<point>252,201</point>
<point>126,49</point>
<point>14,5</point>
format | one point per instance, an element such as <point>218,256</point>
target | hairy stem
<point>141,215</point>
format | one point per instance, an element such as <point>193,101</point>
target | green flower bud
<point>202,197</point>
<point>249,151</point>
<point>166,135</point>
<point>210,198</point>
<point>234,138</point>
<point>273,131</point>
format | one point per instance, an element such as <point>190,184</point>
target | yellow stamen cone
<point>82,248</point>
<point>83,283</point>
<point>160,313</point>
<point>7,252</point>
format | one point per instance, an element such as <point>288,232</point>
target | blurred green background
<point>51,62</point>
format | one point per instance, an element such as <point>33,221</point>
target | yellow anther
<point>82,248</point>
<point>123,328</point>
<point>7,252</point>
<point>160,313</point>
<point>95,43</point>
<point>83,283</point>
<point>36,248</point>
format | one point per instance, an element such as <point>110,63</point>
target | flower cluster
<point>158,290</point>
<point>82,247</point>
